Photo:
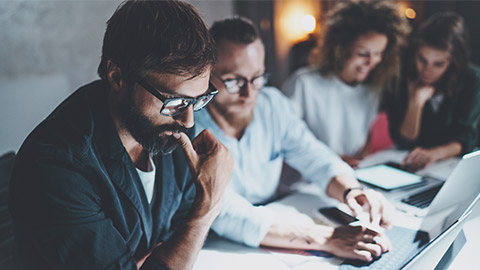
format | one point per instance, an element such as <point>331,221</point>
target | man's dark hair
<point>237,29</point>
<point>157,36</point>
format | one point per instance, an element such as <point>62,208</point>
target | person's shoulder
<point>474,71</point>
<point>68,129</point>
<point>271,94</point>
<point>307,73</point>
<point>272,105</point>
<point>475,68</point>
<point>304,79</point>
<point>471,80</point>
<point>272,113</point>
<point>202,121</point>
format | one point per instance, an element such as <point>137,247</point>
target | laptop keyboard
<point>422,199</point>
<point>406,244</point>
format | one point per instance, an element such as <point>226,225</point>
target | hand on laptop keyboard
<point>406,243</point>
<point>357,242</point>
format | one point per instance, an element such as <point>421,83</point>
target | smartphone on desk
<point>399,166</point>
<point>336,215</point>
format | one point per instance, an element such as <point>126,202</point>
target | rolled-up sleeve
<point>241,221</point>
<point>280,136</point>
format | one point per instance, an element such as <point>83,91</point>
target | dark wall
<point>470,10</point>
<point>261,14</point>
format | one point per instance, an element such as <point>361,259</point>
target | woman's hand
<point>418,159</point>
<point>420,93</point>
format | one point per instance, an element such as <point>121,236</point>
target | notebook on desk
<point>436,194</point>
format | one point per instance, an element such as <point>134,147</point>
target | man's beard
<point>151,137</point>
<point>235,119</point>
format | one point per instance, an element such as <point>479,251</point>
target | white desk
<point>221,254</point>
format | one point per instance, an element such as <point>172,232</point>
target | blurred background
<point>48,49</point>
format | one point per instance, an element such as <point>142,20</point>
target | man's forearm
<point>337,186</point>
<point>211,166</point>
<point>344,241</point>
<point>295,237</point>
<point>181,250</point>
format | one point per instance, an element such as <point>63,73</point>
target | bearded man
<point>261,129</point>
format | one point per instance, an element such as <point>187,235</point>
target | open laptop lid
<point>442,228</point>
<point>429,257</point>
<point>461,187</point>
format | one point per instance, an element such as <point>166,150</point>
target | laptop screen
<point>456,197</point>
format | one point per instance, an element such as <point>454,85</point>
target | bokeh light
<point>410,13</point>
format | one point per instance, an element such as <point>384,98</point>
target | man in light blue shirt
<point>260,128</point>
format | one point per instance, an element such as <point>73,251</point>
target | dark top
<point>76,197</point>
<point>456,119</point>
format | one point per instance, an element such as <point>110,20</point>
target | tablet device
<point>387,177</point>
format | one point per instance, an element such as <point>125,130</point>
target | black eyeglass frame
<point>265,76</point>
<point>191,101</point>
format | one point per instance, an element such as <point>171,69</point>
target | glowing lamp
<point>410,13</point>
<point>308,23</point>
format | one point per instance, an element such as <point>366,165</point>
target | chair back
<point>6,222</point>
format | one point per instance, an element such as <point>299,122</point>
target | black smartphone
<point>399,166</point>
<point>337,215</point>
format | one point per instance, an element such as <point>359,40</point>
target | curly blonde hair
<point>350,20</point>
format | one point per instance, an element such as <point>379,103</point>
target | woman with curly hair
<point>435,108</point>
<point>357,56</point>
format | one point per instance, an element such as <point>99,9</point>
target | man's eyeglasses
<point>177,105</point>
<point>234,86</point>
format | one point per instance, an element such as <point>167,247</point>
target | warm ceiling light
<point>410,13</point>
<point>308,23</point>
<point>297,24</point>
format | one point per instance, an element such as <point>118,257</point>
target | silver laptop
<point>434,251</point>
<point>424,248</point>
<point>436,195</point>
<point>445,232</point>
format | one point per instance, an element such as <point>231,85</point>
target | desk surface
<point>219,253</point>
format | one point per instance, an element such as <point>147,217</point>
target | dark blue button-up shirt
<point>77,200</point>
